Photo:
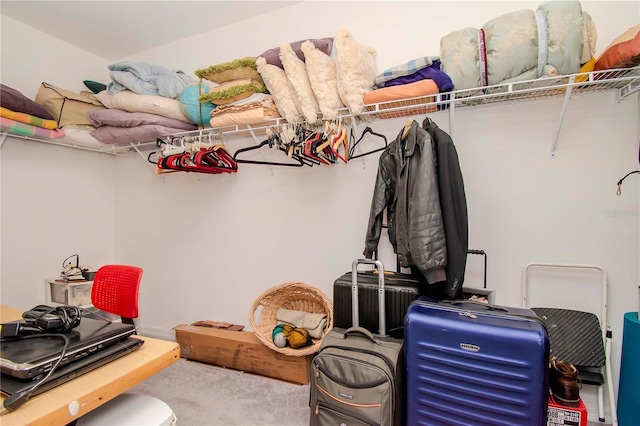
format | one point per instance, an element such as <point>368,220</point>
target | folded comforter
<point>126,135</point>
<point>28,119</point>
<point>147,79</point>
<point>120,118</point>
<point>23,129</point>
<point>250,113</point>
<point>554,39</point>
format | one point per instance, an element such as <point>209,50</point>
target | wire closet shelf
<point>624,82</point>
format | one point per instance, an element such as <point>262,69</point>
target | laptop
<point>10,385</point>
<point>29,358</point>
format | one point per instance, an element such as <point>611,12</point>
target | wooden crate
<point>240,350</point>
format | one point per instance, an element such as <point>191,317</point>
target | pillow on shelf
<point>272,56</point>
<point>232,91</point>
<point>14,100</point>
<point>623,52</point>
<point>296,71</point>
<point>94,86</point>
<point>322,75</point>
<point>197,112</point>
<point>66,106</point>
<point>356,70</point>
<point>280,89</point>
<point>133,102</point>
<point>238,69</point>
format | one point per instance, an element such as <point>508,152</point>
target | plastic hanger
<point>366,131</point>
<point>343,140</point>
<point>299,162</point>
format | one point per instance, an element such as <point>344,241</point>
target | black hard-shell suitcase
<point>357,377</point>
<point>400,291</point>
<point>473,364</point>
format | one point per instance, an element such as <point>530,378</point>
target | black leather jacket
<point>407,187</point>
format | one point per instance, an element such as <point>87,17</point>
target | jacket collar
<point>406,146</point>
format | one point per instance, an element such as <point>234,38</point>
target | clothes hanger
<point>299,162</point>
<point>407,127</point>
<point>343,140</point>
<point>366,131</point>
<point>308,148</point>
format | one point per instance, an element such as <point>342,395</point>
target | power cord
<point>43,319</point>
<point>19,398</point>
<point>40,321</point>
<point>58,319</point>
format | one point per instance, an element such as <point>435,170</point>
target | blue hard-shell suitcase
<point>469,363</point>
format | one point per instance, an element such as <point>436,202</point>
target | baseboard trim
<point>157,333</point>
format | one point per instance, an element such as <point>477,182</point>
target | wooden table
<point>67,402</point>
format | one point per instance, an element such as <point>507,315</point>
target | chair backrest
<point>115,290</point>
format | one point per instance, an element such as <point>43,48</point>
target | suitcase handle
<point>355,315</point>
<point>359,330</point>
<point>473,302</point>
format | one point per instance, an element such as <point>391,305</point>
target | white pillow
<point>296,72</point>
<point>133,102</point>
<point>322,75</point>
<point>281,90</point>
<point>356,70</point>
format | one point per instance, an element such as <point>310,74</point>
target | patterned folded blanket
<point>22,129</point>
<point>28,119</point>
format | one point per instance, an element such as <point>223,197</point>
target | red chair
<point>115,290</point>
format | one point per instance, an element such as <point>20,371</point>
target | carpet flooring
<point>202,394</point>
<point>206,395</point>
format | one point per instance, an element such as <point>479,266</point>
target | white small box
<point>68,293</point>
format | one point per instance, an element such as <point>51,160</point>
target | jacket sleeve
<point>383,194</point>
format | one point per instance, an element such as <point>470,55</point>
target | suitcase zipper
<point>390,379</point>
<point>492,311</point>
<point>338,413</point>
<point>344,383</point>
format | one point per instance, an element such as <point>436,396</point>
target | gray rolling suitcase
<point>357,377</point>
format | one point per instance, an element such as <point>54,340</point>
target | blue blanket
<point>147,79</point>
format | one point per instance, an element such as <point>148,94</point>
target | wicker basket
<point>291,295</point>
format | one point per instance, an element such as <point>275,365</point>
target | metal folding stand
<point>579,337</point>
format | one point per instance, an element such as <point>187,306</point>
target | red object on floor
<point>561,415</point>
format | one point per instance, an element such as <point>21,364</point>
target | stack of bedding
<point>21,116</point>
<point>420,80</point>
<point>238,93</point>
<point>141,104</point>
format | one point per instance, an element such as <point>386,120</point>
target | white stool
<point>130,409</point>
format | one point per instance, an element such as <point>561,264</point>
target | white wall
<point>210,244</point>
<point>30,57</point>
<point>56,201</point>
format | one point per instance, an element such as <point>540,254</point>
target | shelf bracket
<point>565,104</point>
<point>257,142</point>
<point>146,159</point>
<point>629,89</point>
<point>452,113</point>
<point>3,137</point>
